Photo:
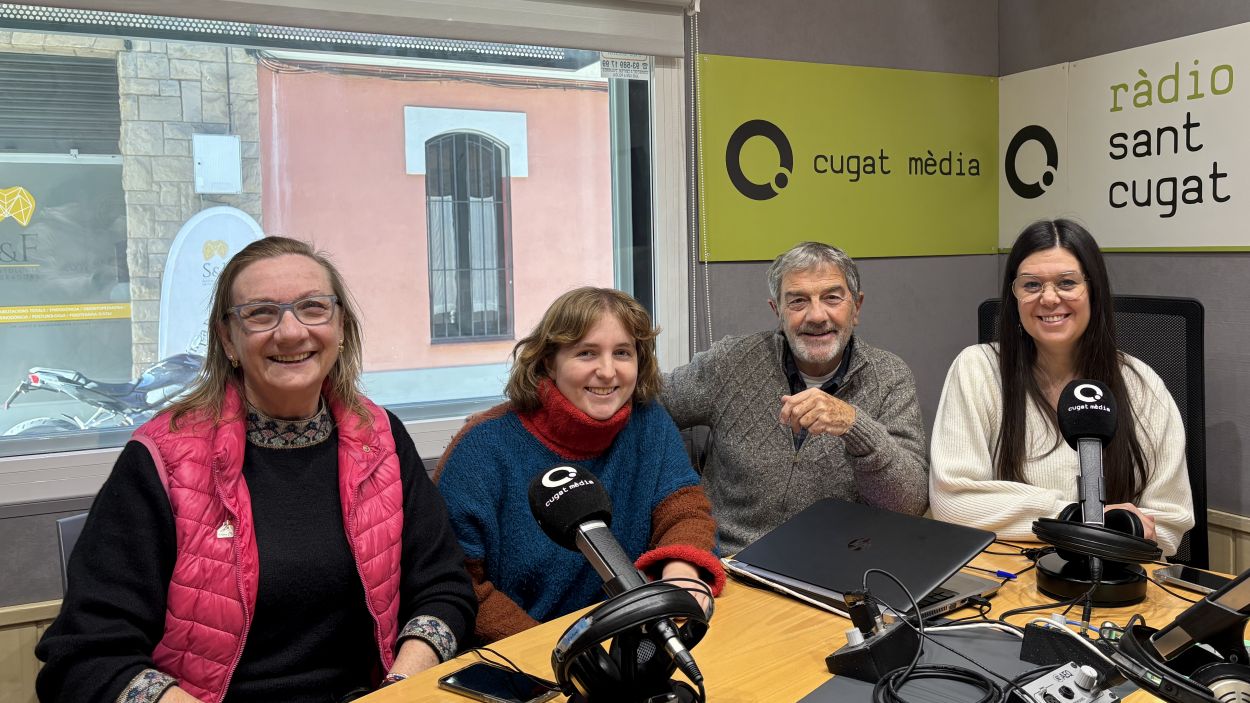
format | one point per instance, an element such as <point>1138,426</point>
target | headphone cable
<point>887,688</point>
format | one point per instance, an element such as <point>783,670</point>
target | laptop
<point>823,552</point>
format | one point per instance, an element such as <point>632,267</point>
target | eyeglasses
<point>262,317</point>
<point>1068,286</point>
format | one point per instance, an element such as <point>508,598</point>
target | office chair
<point>1166,334</point>
<point>67,531</point>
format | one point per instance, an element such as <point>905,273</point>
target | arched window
<point>467,206</point>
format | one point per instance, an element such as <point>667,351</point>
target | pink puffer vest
<point>213,590</point>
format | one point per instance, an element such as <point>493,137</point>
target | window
<point>466,187</point>
<point>458,186</point>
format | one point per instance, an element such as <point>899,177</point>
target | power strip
<point>1069,683</point>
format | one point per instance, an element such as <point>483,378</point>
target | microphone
<point>574,510</point>
<point>1087,421</point>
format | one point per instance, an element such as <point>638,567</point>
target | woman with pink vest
<point>273,536</point>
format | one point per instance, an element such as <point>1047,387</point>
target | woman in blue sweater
<point>581,391</point>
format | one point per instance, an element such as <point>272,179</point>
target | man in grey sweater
<point>804,412</point>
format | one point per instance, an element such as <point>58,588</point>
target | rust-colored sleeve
<point>498,616</point>
<point>682,527</point>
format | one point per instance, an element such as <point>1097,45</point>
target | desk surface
<point>766,647</point>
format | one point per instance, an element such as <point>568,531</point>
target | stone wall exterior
<point>167,92</point>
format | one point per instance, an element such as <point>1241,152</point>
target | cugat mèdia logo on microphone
<point>1088,392</point>
<point>733,159</point>
<point>1036,184</point>
<point>559,476</point>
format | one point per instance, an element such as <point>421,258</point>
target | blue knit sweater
<point>485,482</point>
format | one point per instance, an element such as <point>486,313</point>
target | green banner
<point>880,162</point>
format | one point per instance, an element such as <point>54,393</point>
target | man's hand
<point>1147,522</point>
<point>817,411</point>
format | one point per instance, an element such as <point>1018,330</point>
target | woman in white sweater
<point>998,461</point>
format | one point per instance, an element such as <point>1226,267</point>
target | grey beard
<point>801,351</point>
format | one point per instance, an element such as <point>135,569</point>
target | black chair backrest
<point>1166,334</point>
<point>67,531</point>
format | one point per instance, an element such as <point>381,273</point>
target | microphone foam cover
<point>564,497</point>
<point>1087,410</point>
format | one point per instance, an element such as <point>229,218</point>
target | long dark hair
<point>1124,463</point>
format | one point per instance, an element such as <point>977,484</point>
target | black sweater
<point>311,637</point>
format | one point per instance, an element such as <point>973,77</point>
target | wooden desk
<point>763,646</point>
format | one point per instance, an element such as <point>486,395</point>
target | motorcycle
<point>116,404</point>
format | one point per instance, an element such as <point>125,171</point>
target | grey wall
<point>1036,33</point>
<point>922,308</point>
<point>955,36</point>
<point>1217,280</point>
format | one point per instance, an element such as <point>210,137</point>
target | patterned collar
<point>267,432</point>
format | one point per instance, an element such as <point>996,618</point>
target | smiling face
<point>818,317</point>
<point>598,372</point>
<point>283,368</point>
<point>1055,324</point>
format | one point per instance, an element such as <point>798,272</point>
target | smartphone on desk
<point>1189,578</point>
<point>486,681</point>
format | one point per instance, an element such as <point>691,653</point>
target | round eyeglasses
<point>262,317</point>
<point>1068,286</point>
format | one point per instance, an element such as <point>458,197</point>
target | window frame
<point>61,475</point>
<point>503,235</point>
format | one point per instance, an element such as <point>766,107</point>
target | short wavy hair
<point>806,256</point>
<point>569,319</point>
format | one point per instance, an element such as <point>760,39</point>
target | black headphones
<point>1119,539</point>
<point>636,667</point>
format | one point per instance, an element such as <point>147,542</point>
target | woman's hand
<point>677,569</point>
<point>173,694</point>
<point>414,657</point>
<point>1147,522</point>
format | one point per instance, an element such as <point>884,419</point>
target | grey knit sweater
<point>753,474</point>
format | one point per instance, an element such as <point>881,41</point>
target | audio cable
<point>887,689</point>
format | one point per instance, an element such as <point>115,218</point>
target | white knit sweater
<point>962,488</point>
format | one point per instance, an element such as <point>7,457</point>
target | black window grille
<point>469,225</point>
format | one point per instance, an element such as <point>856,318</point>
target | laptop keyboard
<point>938,594</point>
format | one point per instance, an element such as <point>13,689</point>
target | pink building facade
<point>334,172</point>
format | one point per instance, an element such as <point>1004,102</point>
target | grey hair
<point>807,256</point>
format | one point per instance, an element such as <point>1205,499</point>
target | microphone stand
<point>1095,577</point>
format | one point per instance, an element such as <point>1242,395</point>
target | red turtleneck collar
<point>567,431</point>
